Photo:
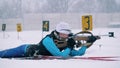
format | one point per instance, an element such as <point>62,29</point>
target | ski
<point>99,58</point>
<point>102,58</point>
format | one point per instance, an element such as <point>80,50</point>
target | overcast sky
<point>16,8</point>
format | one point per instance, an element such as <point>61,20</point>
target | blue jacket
<point>51,47</point>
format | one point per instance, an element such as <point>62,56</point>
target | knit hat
<point>63,27</point>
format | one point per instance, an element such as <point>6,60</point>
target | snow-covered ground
<point>106,46</point>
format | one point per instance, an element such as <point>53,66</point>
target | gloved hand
<point>91,39</point>
<point>71,43</point>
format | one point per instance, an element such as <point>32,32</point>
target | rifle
<point>82,38</point>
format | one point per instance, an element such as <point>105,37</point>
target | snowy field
<point>106,46</point>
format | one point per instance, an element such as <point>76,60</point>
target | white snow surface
<point>106,46</point>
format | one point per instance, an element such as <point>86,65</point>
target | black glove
<point>91,39</point>
<point>71,34</point>
<point>71,43</point>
